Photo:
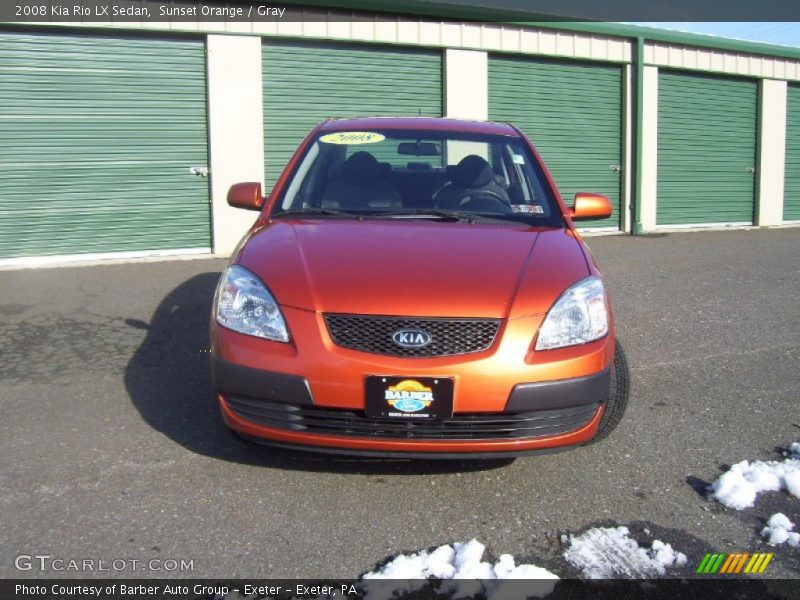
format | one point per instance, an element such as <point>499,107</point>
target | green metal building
<point>120,141</point>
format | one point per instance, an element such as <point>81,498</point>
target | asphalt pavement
<point>113,448</point>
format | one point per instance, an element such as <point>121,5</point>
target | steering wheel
<point>484,194</point>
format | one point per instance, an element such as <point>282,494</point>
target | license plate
<point>409,398</point>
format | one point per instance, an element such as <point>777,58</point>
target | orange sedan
<point>416,287</point>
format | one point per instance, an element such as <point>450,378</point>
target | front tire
<point>618,392</point>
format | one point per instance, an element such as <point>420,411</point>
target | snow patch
<point>461,562</point>
<point>740,486</point>
<point>779,531</point>
<point>610,552</point>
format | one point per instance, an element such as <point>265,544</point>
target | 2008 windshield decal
<point>352,137</point>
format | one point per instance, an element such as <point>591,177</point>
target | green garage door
<point>706,150</point>
<point>791,195</point>
<point>307,83</point>
<point>98,138</point>
<point>572,113</point>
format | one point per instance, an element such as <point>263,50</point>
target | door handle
<point>616,168</point>
<point>751,170</point>
<point>199,171</point>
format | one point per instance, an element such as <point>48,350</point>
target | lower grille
<point>472,426</point>
<point>447,337</point>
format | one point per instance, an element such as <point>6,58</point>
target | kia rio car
<point>416,287</point>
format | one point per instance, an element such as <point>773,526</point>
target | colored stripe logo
<point>738,562</point>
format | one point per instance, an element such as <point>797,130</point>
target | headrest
<point>471,172</point>
<point>362,168</point>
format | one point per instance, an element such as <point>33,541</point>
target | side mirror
<point>246,195</point>
<point>589,206</point>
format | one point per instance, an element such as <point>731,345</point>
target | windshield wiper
<point>442,215</point>
<point>428,213</point>
<point>420,213</point>
<point>315,211</point>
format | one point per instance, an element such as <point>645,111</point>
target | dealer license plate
<point>409,397</point>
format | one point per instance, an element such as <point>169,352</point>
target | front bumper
<point>277,408</point>
<point>412,448</point>
<point>310,392</point>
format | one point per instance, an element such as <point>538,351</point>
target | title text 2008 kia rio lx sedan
<point>416,287</point>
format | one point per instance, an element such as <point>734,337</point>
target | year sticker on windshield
<point>352,137</point>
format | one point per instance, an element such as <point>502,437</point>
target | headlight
<point>579,315</point>
<point>245,305</point>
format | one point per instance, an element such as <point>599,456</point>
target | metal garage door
<point>573,114</point>
<point>706,150</point>
<point>307,83</point>
<point>791,196</point>
<point>98,136</point>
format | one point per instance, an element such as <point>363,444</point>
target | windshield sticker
<point>518,159</point>
<point>352,137</point>
<point>527,208</point>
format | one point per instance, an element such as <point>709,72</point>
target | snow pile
<point>739,487</point>
<point>459,561</point>
<point>610,552</point>
<point>779,530</point>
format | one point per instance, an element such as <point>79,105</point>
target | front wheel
<point>618,392</point>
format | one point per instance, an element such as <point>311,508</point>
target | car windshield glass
<point>396,174</point>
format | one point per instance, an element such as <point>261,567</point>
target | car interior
<point>415,175</point>
<point>362,183</point>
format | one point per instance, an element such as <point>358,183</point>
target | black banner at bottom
<point>384,589</point>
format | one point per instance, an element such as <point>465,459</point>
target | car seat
<point>472,186</point>
<point>362,183</point>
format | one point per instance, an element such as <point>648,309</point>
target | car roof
<point>414,123</point>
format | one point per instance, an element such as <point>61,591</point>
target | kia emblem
<point>411,338</point>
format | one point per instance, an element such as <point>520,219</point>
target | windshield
<point>420,174</point>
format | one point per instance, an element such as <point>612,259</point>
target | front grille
<point>473,426</point>
<point>448,336</point>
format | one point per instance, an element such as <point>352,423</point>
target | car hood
<point>414,268</point>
